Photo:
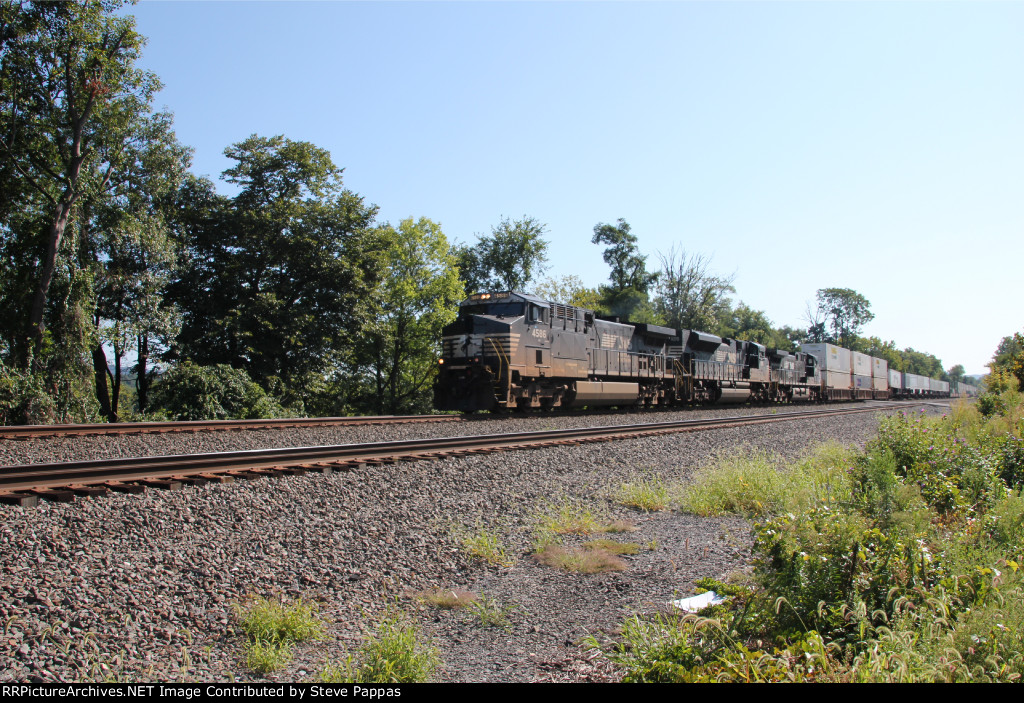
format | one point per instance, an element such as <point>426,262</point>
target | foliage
<point>1009,357</point>
<point>688,296</point>
<point>902,563</point>
<point>742,482</point>
<point>417,296</point>
<point>627,296</point>
<point>491,613</point>
<point>840,314</point>
<point>509,258</point>
<point>277,278</point>
<point>485,544</point>
<point>23,398</point>
<point>393,654</point>
<point>272,627</point>
<point>190,392</point>
<point>72,102</point>
<point>569,290</point>
<point>647,494</point>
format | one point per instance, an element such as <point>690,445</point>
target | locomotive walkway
<point>25,484</point>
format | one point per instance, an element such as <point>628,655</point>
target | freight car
<point>509,350</point>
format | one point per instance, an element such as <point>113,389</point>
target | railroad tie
<point>24,500</point>
<point>216,478</point>
<point>88,491</point>
<point>55,495</point>
<point>162,483</point>
<point>121,487</point>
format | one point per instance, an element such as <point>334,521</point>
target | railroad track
<point>100,428</point>
<point>25,484</point>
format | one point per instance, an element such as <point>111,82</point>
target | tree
<point>278,277</point>
<point>956,374</point>
<point>569,290</point>
<point>127,244</point>
<point>416,298</point>
<point>509,258</point>
<point>841,313</point>
<point>1009,357</point>
<point>688,296</point>
<point>70,99</point>
<point>630,282</point>
<point>885,350</point>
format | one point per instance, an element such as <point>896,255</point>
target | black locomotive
<point>513,350</point>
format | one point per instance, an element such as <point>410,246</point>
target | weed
<point>447,599</point>
<point>267,620</point>
<point>486,545</point>
<point>613,547</point>
<point>744,482</point>
<point>569,518</point>
<point>272,627</point>
<point>578,560</point>
<point>393,654</point>
<point>491,613</point>
<point>263,656</point>
<point>647,494</point>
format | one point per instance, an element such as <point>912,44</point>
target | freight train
<point>509,350</point>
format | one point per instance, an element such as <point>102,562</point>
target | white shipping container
<point>830,357</point>
<point>840,380</point>
<point>879,367</point>
<point>914,383</point>
<point>861,364</point>
<point>880,383</point>
<point>895,379</point>
<point>862,383</point>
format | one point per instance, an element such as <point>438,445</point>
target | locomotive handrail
<point>505,379</point>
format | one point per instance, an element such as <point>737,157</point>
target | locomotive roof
<point>504,297</point>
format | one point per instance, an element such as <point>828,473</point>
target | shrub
<point>23,399</point>
<point>190,392</point>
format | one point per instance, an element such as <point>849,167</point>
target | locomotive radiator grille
<point>458,346</point>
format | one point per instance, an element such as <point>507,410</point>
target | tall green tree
<point>279,276</point>
<point>628,293</point>
<point>840,315</point>
<point>418,295</point>
<point>71,98</point>
<point>509,258</point>
<point>127,244</point>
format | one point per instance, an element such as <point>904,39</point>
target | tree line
<point>289,297</point>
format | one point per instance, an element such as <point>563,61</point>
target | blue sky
<point>868,145</point>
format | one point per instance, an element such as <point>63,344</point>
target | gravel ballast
<point>142,587</point>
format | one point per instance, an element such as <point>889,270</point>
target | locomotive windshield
<point>494,309</point>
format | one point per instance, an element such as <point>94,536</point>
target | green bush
<point>23,399</point>
<point>190,392</point>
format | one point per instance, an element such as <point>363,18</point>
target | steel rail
<point>92,476</point>
<point>101,428</point>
